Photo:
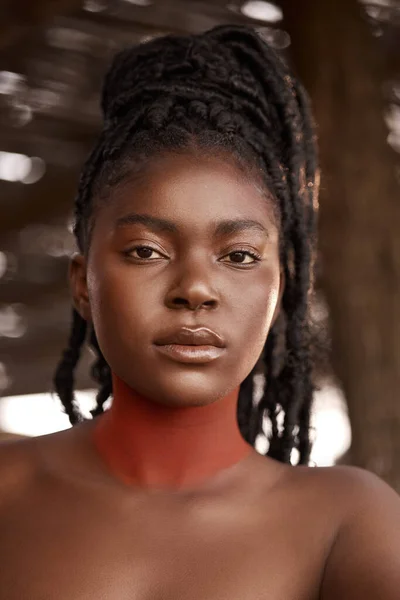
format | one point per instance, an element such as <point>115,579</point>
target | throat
<point>154,446</point>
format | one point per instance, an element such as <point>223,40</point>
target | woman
<point>195,222</point>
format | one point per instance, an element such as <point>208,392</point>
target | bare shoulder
<point>18,466</point>
<point>346,490</point>
<point>347,481</point>
<point>49,462</point>
<point>24,462</point>
<point>364,558</point>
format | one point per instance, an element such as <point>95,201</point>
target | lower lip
<point>191,354</point>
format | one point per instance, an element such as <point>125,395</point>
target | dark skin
<point>69,529</point>
<point>129,299</point>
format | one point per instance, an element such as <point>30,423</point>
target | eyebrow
<point>225,227</point>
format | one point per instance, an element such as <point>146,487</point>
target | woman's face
<point>191,270</point>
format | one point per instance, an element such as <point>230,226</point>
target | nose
<point>193,288</point>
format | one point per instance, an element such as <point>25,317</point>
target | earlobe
<point>78,283</point>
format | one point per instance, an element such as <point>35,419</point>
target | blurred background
<point>53,55</point>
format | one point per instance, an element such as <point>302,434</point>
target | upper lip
<point>187,336</point>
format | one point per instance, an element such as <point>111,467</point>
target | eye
<point>239,255</point>
<point>142,252</point>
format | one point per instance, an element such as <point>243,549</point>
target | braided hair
<point>228,92</point>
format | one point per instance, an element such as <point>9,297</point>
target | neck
<point>156,446</point>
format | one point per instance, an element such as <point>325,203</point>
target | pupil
<point>239,254</point>
<point>145,250</point>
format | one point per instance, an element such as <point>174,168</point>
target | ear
<point>282,281</point>
<point>78,283</point>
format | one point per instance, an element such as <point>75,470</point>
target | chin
<point>189,390</point>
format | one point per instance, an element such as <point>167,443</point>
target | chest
<point>81,550</point>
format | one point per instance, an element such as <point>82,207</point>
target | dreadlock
<point>227,91</point>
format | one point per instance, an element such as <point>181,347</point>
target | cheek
<point>259,314</point>
<point>252,315</point>
<point>119,304</point>
<point>266,309</point>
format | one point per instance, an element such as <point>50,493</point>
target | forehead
<point>191,190</point>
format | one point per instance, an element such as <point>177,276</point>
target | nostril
<point>194,305</point>
<point>180,301</point>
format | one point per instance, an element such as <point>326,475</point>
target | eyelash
<point>251,253</point>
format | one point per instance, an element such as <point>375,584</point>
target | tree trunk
<point>339,62</point>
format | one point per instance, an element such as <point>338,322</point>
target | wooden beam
<point>18,17</point>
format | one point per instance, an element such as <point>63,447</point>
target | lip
<point>187,336</point>
<point>191,354</point>
<point>191,345</point>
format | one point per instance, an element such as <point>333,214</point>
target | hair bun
<point>183,60</point>
<point>138,66</point>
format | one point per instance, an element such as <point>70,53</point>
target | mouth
<point>195,354</point>
<point>189,336</point>
<point>191,345</point>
